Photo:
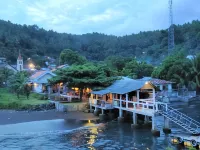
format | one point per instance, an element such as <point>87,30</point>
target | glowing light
<point>87,90</point>
<point>146,82</point>
<point>31,66</point>
<point>35,84</point>
<point>74,88</point>
<point>89,121</point>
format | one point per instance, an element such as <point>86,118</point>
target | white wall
<point>44,79</point>
<point>20,65</point>
<point>37,88</point>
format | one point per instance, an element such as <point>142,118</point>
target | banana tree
<point>195,71</point>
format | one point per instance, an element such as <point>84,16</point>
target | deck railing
<point>100,103</point>
<point>142,104</point>
<point>177,93</point>
<point>129,105</point>
<point>68,98</point>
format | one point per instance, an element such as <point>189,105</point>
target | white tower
<point>20,63</point>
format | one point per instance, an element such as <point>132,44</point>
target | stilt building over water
<point>138,98</point>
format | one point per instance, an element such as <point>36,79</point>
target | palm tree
<point>18,84</point>
<point>195,71</point>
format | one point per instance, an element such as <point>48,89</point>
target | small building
<point>2,60</point>
<point>137,97</point>
<point>61,67</point>
<point>126,95</point>
<point>161,84</point>
<point>39,81</point>
<point>52,66</point>
<point>8,67</point>
<point>4,64</point>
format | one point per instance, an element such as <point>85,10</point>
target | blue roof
<point>122,86</point>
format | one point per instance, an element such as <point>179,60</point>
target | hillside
<point>150,46</point>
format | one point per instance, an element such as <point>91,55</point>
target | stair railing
<point>181,119</point>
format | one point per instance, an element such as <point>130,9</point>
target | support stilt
<point>154,131</point>
<point>120,118</point>
<point>166,128</point>
<point>134,125</point>
<point>147,123</point>
<point>96,112</point>
<point>111,115</point>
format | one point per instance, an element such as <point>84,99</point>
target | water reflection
<point>62,134</point>
<point>37,126</point>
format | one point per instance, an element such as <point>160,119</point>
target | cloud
<point>106,16</point>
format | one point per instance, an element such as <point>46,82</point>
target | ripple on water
<point>59,139</point>
<point>96,137</point>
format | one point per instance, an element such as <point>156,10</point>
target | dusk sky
<point>118,17</point>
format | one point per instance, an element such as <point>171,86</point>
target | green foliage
<point>194,71</point>
<point>150,46</point>
<point>117,63</point>
<point>137,70</point>
<point>192,148</point>
<point>40,96</point>
<point>183,71</point>
<point>4,75</point>
<point>85,76</point>
<point>70,57</point>
<point>156,72</point>
<point>173,66</point>
<point>9,100</point>
<point>18,84</point>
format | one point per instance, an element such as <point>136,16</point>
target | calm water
<point>61,134</point>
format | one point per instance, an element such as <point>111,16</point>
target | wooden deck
<point>142,107</point>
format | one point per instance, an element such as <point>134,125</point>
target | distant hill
<point>149,46</point>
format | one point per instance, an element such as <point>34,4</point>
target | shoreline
<point>13,116</point>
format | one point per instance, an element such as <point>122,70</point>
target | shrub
<point>40,96</point>
<point>13,105</point>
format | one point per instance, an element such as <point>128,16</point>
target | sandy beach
<point>12,117</point>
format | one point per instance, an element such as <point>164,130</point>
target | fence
<point>177,93</point>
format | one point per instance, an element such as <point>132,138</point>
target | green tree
<point>156,72</point>
<point>84,76</point>
<point>137,70</point>
<point>179,69</point>
<point>5,73</point>
<point>70,57</point>
<point>117,62</point>
<point>171,65</point>
<point>18,84</point>
<point>35,41</point>
<point>195,71</point>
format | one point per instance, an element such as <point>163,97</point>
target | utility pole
<point>170,29</point>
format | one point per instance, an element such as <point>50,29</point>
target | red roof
<point>61,66</point>
<point>37,74</point>
<point>20,57</point>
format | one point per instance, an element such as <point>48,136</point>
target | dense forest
<point>150,46</point>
